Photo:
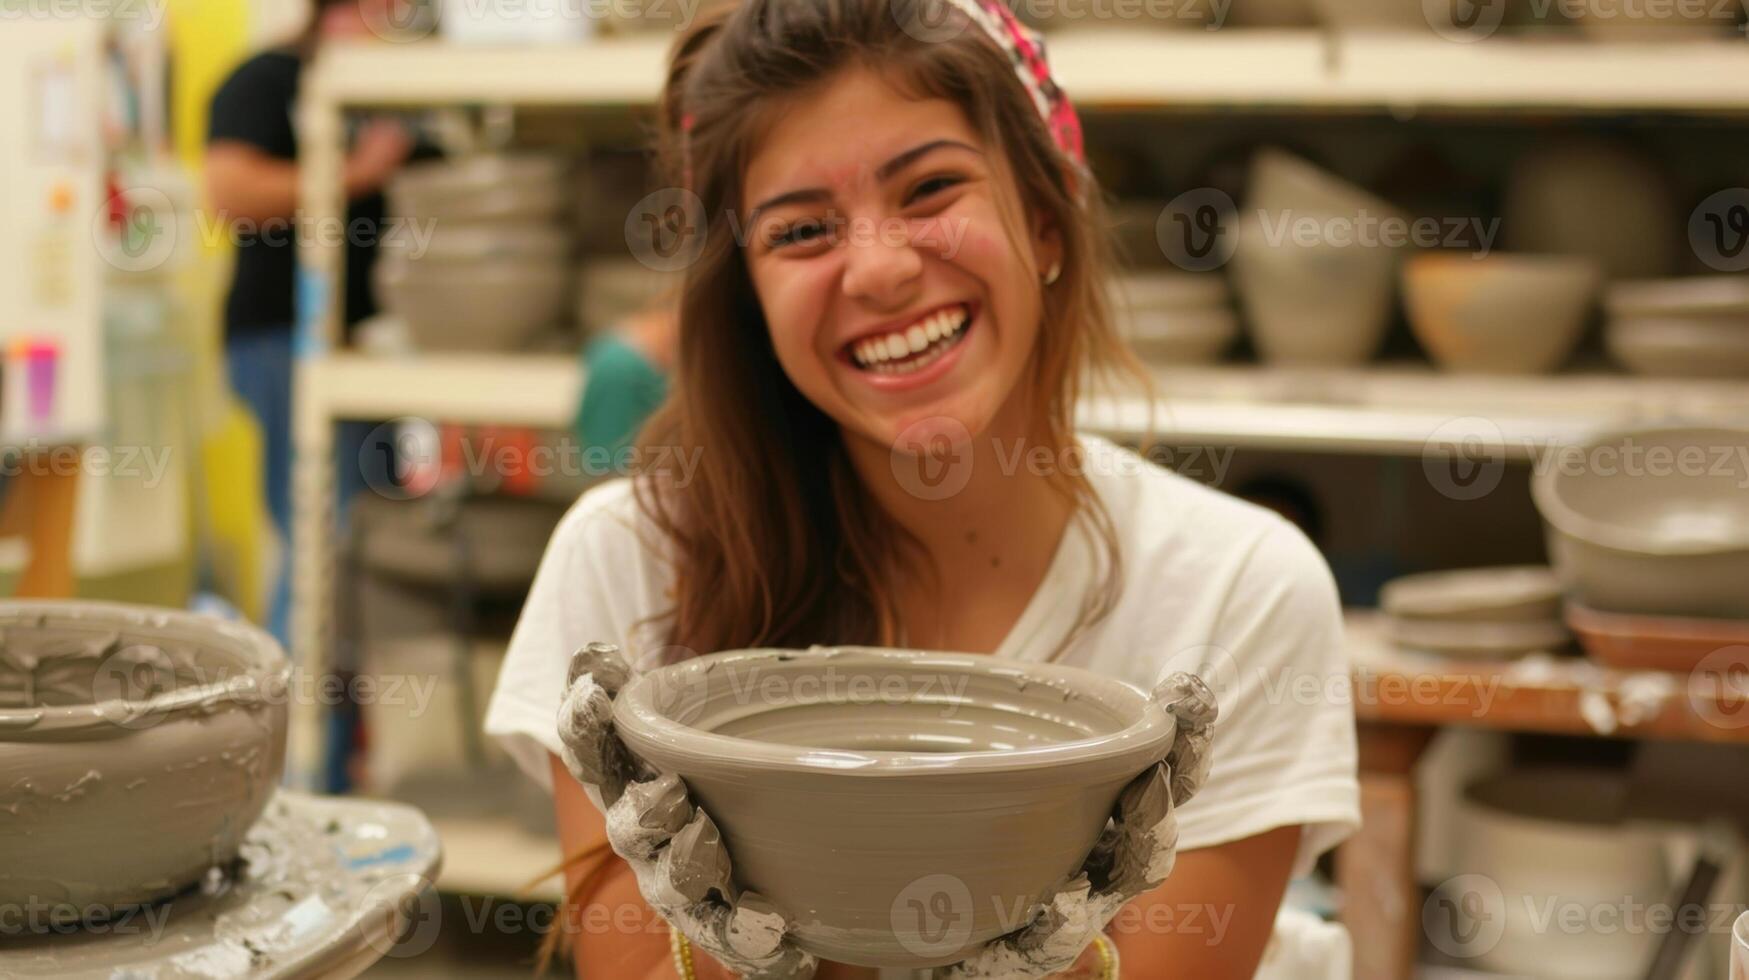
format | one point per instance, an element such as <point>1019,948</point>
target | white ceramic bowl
<point>477,241</point>
<point>1689,296</point>
<point>610,290</point>
<point>1681,347</point>
<point>1513,593</point>
<point>488,186</point>
<point>1314,270</point>
<point>1596,198</point>
<point>1164,292</point>
<point>1181,336</point>
<point>137,745</point>
<point>1552,838</point>
<point>1317,304</point>
<point>489,305</point>
<point>1477,639</point>
<point>1502,314</point>
<point>854,786</point>
<point>1651,520</point>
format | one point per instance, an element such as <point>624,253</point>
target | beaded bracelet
<point>681,948</point>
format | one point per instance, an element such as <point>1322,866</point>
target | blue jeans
<point>261,374</point>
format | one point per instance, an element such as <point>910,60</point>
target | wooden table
<point>1402,699</point>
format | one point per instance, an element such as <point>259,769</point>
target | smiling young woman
<point>899,291</point>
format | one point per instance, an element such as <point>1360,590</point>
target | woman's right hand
<point>673,847</point>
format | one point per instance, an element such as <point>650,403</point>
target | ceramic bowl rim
<point>635,710</point>
<point>1546,493</point>
<point>265,672</point>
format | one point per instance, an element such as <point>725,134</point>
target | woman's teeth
<point>915,347</point>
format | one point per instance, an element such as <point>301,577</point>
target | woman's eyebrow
<point>882,172</point>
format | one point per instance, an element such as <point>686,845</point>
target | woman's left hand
<point>1134,854</point>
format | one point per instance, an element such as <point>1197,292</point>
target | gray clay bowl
<point>1668,535</point>
<point>137,745</point>
<point>901,807</point>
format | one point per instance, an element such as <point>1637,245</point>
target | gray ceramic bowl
<point>1668,534</point>
<point>873,793</point>
<point>137,745</point>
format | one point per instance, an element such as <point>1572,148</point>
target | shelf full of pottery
<point>1318,264</point>
<point>1648,536</point>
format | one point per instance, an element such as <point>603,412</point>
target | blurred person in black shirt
<point>252,184</point>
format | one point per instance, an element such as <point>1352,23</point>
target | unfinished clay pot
<point>137,745</point>
<point>872,794</point>
<point>1651,521</point>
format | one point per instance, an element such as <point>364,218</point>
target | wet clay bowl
<point>137,745</point>
<point>900,807</point>
<point>1651,521</point>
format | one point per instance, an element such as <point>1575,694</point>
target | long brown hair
<point>775,541</point>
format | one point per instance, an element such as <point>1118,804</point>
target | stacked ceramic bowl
<point>1496,313</point>
<point>613,288</point>
<point>1316,263</point>
<point>1651,521</point>
<point>1175,317</point>
<point>1695,327</point>
<point>1480,613</point>
<point>496,269</point>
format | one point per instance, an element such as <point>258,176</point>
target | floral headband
<point>1025,50</point>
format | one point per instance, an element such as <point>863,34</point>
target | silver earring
<point>1051,275</point>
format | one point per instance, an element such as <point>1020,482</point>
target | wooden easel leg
<point>39,508</point>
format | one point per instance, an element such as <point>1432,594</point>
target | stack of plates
<point>1694,327</point>
<point>484,261</point>
<point>1175,317</point>
<point>1476,613</point>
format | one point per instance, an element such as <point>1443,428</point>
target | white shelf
<point>1384,409</point>
<point>1398,410</point>
<point>1136,69</point>
<point>537,390</point>
<point>496,856</point>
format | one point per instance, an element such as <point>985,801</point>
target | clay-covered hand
<point>674,848</point>
<point>1134,854</point>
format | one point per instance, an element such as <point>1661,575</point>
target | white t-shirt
<point>1211,584</point>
